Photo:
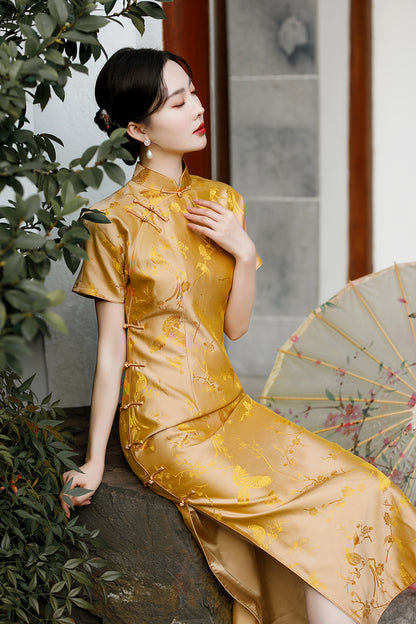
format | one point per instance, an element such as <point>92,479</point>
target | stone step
<point>166,578</point>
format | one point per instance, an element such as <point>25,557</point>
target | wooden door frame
<point>360,140</point>
<point>196,30</point>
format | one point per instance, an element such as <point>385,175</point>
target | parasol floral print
<point>349,373</point>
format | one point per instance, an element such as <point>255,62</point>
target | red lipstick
<point>200,130</point>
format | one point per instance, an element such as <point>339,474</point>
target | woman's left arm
<point>222,226</point>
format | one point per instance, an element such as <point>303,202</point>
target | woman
<point>295,528</point>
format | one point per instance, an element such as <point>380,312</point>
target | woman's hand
<point>222,226</point>
<point>90,478</point>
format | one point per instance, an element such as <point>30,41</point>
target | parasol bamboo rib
<point>412,477</point>
<point>357,292</point>
<point>325,398</point>
<point>403,453</point>
<point>361,420</point>
<point>363,349</point>
<point>391,443</point>
<point>337,368</point>
<point>402,422</point>
<point>396,268</point>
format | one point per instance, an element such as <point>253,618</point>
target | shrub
<point>42,44</point>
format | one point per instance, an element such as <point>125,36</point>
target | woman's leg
<point>241,615</point>
<point>321,611</point>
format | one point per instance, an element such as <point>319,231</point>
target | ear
<point>136,132</point>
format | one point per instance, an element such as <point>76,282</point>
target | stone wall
<point>274,155</point>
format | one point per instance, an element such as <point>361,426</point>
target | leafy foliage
<point>40,579</point>
<point>42,44</point>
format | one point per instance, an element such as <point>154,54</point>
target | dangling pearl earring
<point>149,153</point>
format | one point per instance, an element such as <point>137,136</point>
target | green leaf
<point>29,328</point>
<point>91,23</point>
<point>31,206</point>
<point>110,575</point>
<point>50,188</point>
<point>71,564</point>
<point>55,321</point>
<point>67,191</point>
<point>117,133</point>
<point>96,216</point>
<point>29,240</point>
<point>18,300</point>
<point>115,173</point>
<point>54,56</point>
<point>22,615</point>
<point>87,155</point>
<point>83,604</point>
<point>13,268</point>
<point>45,25</point>
<point>75,204</point>
<point>33,582</point>
<point>48,73</point>
<point>152,10</point>
<point>72,262</point>
<point>109,6</point>
<point>55,297</point>
<point>103,151</point>
<point>329,395</point>
<point>33,286</point>
<point>57,587</point>
<point>77,35</point>
<point>138,23</point>
<point>34,603</point>
<point>59,10</point>
<point>42,95</point>
<point>31,46</point>
<point>80,68</point>
<point>92,177</point>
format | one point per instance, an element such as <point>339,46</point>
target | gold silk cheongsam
<point>271,505</point>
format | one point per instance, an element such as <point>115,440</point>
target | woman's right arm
<point>111,355</point>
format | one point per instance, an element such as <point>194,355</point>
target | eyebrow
<point>176,92</point>
<point>182,90</point>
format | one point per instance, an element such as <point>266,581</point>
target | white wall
<point>394,129</point>
<point>333,51</point>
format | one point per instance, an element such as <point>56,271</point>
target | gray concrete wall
<point>274,144</point>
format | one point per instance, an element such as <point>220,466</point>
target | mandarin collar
<point>159,182</point>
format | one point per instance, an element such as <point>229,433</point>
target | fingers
<point>77,501</point>
<point>214,217</point>
<point>211,205</point>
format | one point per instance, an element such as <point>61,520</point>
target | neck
<point>169,165</point>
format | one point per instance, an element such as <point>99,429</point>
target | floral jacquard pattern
<point>260,494</point>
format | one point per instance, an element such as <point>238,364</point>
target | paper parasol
<point>349,372</point>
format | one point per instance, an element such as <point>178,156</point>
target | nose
<point>200,110</point>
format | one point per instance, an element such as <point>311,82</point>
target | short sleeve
<point>238,209</point>
<point>103,275</point>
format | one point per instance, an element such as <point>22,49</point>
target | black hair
<point>130,87</point>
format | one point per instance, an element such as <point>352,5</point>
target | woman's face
<point>178,126</point>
